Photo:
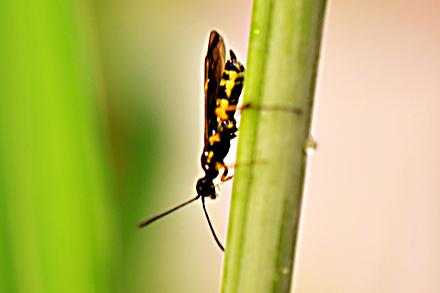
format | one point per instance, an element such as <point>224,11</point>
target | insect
<point>223,85</point>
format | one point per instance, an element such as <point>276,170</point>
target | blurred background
<point>101,126</point>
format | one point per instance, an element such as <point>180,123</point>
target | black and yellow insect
<point>223,86</point>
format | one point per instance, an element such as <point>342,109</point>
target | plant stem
<point>282,65</point>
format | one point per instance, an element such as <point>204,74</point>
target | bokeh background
<point>101,124</point>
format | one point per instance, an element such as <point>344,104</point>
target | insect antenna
<point>210,225</point>
<point>163,214</point>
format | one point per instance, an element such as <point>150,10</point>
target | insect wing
<point>214,65</point>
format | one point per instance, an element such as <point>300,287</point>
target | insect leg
<point>225,176</point>
<point>226,169</point>
<point>277,108</point>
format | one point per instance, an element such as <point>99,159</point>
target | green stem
<point>281,73</point>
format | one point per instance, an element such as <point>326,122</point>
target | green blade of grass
<point>281,72</point>
<point>55,225</point>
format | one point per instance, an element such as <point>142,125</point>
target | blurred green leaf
<point>56,204</point>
